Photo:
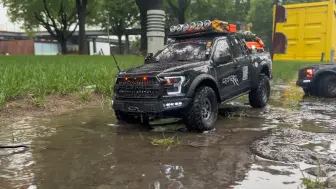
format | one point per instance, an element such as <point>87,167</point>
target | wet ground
<point>250,149</point>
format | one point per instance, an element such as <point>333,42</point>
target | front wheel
<point>202,113</point>
<point>259,96</point>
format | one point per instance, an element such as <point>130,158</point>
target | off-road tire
<point>126,118</point>
<point>259,97</point>
<point>327,86</point>
<point>196,118</point>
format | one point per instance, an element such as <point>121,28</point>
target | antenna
<point>115,61</point>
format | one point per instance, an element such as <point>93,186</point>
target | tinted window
<point>222,48</point>
<point>237,51</point>
<point>183,51</point>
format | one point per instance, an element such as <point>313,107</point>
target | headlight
<point>174,84</point>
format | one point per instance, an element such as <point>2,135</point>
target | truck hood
<point>164,67</point>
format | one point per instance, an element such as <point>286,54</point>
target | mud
<point>250,149</point>
<point>52,105</point>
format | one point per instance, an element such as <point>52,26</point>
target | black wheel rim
<point>206,109</point>
<point>332,87</point>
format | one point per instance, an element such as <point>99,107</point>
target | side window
<point>222,49</point>
<point>236,49</point>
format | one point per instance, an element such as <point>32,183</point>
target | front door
<point>226,71</point>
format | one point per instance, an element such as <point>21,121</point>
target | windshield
<point>183,51</point>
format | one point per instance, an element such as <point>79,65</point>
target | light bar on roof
<point>172,29</point>
<point>192,25</point>
<point>179,27</point>
<point>207,23</point>
<point>199,24</point>
<point>185,27</point>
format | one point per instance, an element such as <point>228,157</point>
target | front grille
<point>138,87</point>
<point>137,81</point>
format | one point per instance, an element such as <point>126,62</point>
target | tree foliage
<point>55,16</point>
<point>117,16</point>
<point>178,8</point>
<point>86,13</point>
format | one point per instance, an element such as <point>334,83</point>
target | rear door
<point>242,59</point>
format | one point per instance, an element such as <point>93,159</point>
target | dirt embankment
<point>53,105</point>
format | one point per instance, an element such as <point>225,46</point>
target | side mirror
<point>223,58</point>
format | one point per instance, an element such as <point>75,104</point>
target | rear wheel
<point>259,96</point>
<point>327,86</point>
<point>202,113</point>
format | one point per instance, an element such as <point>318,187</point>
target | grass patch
<point>38,76</point>
<point>169,141</point>
<point>286,71</point>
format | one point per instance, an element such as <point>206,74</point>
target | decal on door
<point>245,73</point>
<point>231,78</point>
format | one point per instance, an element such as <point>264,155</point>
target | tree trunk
<point>143,44</point>
<point>120,44</point>
<point>127,44</point>
<point>63,45</point>
<point>81,13</point>
<point>181,17</point>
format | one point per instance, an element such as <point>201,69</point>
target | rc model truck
<point>203,65</point>
<point>318,80</point>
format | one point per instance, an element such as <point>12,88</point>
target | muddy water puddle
<point>249,149</point>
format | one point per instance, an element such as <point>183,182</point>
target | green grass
<point>285,71</point>
<point>38,76</point>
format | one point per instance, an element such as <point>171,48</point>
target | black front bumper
<point>150,106</point>
<point>305,83</point>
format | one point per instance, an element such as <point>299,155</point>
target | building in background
<point>29,47</point>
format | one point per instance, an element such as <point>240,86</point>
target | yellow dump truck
<point>310,30</point>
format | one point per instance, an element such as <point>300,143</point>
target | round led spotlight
<point>185,27</point>
<point>192,25</point>
<point>179,28</point>
<point>172,29</point>
<point>207,23</point>
<point>199,24</point>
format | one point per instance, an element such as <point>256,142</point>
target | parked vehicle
<point>318,80</point>
<point>205,64</point>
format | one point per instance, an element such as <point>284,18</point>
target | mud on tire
<point>259,96</point>
<point>327,86</point>
<point>202,113</point>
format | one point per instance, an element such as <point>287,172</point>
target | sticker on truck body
<point>245,73</point>
<point>231,78</point>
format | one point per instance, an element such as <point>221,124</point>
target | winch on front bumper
<point>145,95</point>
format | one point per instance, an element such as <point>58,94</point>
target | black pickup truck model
<point>204,64</point>
<point>318,80</point>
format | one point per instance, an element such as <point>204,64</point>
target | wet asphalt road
<point>88,149</point>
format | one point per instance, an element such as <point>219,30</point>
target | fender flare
<point>198,80</point>
<point>257,72</point>
<point>320,73</point>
